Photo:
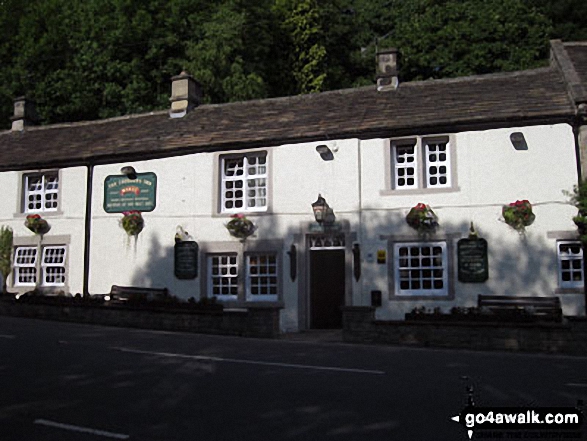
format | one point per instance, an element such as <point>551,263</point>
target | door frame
<point>302,242</point>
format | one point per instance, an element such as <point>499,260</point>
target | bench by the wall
<point>126,293</point>
<point>543,308</point>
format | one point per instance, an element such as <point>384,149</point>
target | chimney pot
<point>186,94</point>
<point>387,78</point>
<point>25,113</point>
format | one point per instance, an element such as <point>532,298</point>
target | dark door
<point>326,288</point>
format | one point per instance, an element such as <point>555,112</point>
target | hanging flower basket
<point>132,222</point>
<point>518,215</point>
<point>36,224</point>
<point>422,218</point>
<point>240,227</point>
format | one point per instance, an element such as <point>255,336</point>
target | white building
<point>466,147</point>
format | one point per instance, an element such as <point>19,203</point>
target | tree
<point>5,255</point>
<point>449,38</point>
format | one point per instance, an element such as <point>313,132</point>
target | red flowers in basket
<point>132,222</point>
<point>518,215</point>
<point>422,218</point>
<point>36,224</point>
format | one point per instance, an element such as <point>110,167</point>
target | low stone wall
<point>360,326</point>
<point>252,322</point>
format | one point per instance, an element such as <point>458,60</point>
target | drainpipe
<point>577,124</point>
<point>87,229</point>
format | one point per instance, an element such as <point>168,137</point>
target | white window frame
<point>401,267</point>
<point>48,193</point>
<point>405,162</point>
<point>425,164</point>
<point>437,162</point>
<point>56,262</point>
<point>19,266</point>
<point>272,273</point>
<point>232,277</point>
<point>42,265</point>
<point>250,172</point>
<point>570,257</point>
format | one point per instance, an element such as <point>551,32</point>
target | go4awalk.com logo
<point>526,423</point>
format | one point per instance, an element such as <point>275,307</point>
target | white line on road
<point>81,429</point>
<point>7,336</point>
<point>263,363</point>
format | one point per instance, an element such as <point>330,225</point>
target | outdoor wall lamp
<point>325,152</point>
<point>293,262</point>
<point>129,171</point>
<point>518,141</point>
<point>357,261</point>
<point>322,211</point>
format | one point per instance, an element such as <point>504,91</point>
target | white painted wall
<point>490,174</point>
<point>68,221</point>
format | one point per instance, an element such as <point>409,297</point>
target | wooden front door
<point>327,288</point>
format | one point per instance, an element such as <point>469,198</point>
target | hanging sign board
<point>124,194</point>
<point>473,261</point>
<point>186,260</point>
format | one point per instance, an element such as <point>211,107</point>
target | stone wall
<point>252,322</point>
<point>360,326</point>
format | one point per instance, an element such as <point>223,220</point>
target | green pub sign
<point>473,261</point>
<point>124,194</point>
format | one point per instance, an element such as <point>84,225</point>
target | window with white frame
<point>421,163</point>
<point>41,192</point>
<point>50,266</point>
<point>223,276</point>
<point>421,268</point>
<point>244,182</point>
<point>239,277</point>
<point>261,277</point>
<point>570,264</point>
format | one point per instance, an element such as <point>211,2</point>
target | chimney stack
<point>387,70</point>
<point>186,94</point>
<point>25,114</point>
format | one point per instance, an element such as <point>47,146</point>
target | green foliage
<point>303,23</point>
<point>578,197</point>
<point>455,38</point>
<point>90,59</point>
<point>5,254</point>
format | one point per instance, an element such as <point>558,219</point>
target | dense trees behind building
<point>88,59</point>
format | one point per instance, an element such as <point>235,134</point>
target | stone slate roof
<point>425,107</point>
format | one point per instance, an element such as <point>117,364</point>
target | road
<point>62,381</point>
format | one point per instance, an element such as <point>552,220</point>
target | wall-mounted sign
<point>381,256</point>
<point>473,261</point>
<point>186,260</point>
<point>124,194</point>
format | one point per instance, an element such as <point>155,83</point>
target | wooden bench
<point>126,293</point>
<point>542,308</point>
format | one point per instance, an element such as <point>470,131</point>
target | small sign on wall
<point>381,256</point>
<point>124,194</point>
<point>472,260</point>
<point>186,260</point>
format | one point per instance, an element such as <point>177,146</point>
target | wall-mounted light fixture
<point>293,262</point>
<point>325,152</point>
<point>322,211</point>
<point>129,171</point>
<point>518,141</point>
<point>357,261</point>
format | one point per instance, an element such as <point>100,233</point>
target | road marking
<point>576,384</point>
<point>262,363</point>
<point>81,429</point>
<point>7,336</point>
